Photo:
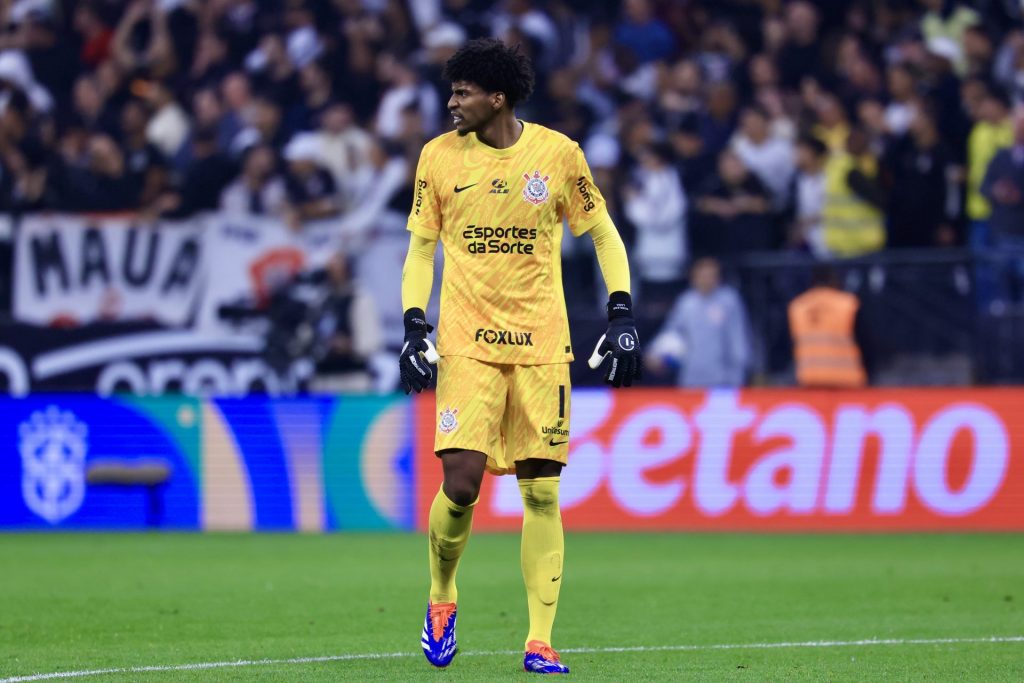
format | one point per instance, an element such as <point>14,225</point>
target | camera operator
<point>350,333</point>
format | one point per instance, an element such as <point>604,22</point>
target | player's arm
<point>417,281</point>
<point>620,341</point>
<point>587,213</point>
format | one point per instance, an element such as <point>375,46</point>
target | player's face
<point>471,107</point>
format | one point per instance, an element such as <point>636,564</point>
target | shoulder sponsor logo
<point>536,190</point>
<point>583,186</point>
<point>504,337</point>
<point>421,185</point>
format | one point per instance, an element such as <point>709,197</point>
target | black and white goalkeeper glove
<point>417,353</point>
<point>620,342</point>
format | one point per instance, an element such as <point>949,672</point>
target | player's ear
<point>497,100</point>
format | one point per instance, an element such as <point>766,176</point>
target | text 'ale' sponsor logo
<point>790,458</point>
<point>499,186</point>
<point>504,337</point>
<point>486,239</point>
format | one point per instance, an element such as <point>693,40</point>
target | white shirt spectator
<point>238,197</point>
<point>772,161</point>
<point>810,202</point>
<point>396,99</point>
<point>658,210</point>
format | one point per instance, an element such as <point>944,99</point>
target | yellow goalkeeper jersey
<point>498,214</point>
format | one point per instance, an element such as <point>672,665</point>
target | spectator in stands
<point>309,186</point>
<point>718,119</point>
<point>380,197</point>
<point>733,211</point>
<point>800,56</point>
<point>825,327</point>
<point>146,168</point>
<point>95,35</point>
<point>405,89</point>
<point>918,167</point>
<point>643,34</point>
<point>23,156</point>
<point>852,218</point>
<point>992,131</point>
<point>91,110</point>
<point>235,96</point>
<point>350,328</point>
<point>833,125</point>
<point>768,156</point>
<point>949,20</point>
<point>346,150</point>
<point>656,206</point>
<point>1003,187</point>
<point>705,336</point>
<point>902,97</point>
<point>809,197</point>
<point>257,190</point>
<point>100,183</point>
<point>169,126</point>
<point>206,176</point>
<point>317,96</point>
<point>693,161</point>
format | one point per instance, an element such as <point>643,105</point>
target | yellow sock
<point>449,526</point>
<point>541,555</point>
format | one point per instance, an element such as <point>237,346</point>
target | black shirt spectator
<point>733,212</point>
<point>917,165</point>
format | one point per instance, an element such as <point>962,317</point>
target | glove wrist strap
<point>416,321</point>
<point>620,305</point>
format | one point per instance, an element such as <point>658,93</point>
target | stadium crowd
<point>714,127</point>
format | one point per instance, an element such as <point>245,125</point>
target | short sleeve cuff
<point>420,231</point>
<point>592,221</point>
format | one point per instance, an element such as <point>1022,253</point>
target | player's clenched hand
<point>417,353</point>
<point>620,342</point>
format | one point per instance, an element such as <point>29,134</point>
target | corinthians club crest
<point>448,423</point>
<point>536,190</point>
<point>53,444</point>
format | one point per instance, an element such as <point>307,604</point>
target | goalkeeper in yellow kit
<point>495,192</point>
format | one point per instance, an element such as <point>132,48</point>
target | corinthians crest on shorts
<point>536,190</point>
<point>448,423</point>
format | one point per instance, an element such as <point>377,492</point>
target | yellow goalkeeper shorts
<point>507,412</point>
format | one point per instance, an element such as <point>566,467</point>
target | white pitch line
<point>569,650</point>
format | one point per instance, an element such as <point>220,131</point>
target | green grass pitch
<point>93,601</point>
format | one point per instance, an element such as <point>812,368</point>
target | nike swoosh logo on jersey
<point>460,189</point>
<point>552,442</point>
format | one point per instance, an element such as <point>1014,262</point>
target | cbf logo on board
<point>536,190</point>
<point>53,444</point>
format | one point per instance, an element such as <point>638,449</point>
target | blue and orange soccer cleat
<point>541,659</point>
<point>438,639</point>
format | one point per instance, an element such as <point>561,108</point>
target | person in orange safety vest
<point>822,322</point>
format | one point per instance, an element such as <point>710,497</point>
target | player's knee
<point>540,498</point>
<point>462,490</point>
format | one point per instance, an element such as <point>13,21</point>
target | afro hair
<point>493,66</point>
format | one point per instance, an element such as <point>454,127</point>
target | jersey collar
<point>507,151</point>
